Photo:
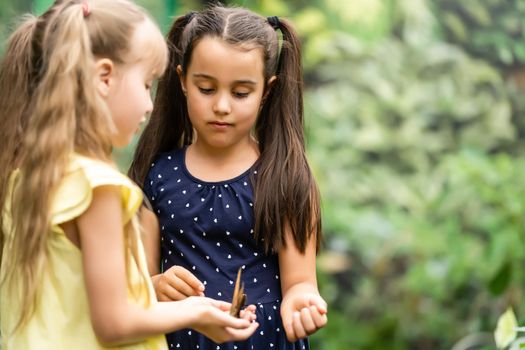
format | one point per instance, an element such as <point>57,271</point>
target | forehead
<point>215,57</point>
<point>149,48</point>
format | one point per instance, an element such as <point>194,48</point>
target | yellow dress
<point>62,320</point>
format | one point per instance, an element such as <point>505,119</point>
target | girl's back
<point>60,320</point>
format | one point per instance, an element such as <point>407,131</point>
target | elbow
<point>111,332</point>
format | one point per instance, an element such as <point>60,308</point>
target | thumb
<point>221,305</point>
<point>227,320</point>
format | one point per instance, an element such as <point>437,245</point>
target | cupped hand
<point>303,314</point>
<point>216,323</point>
<point>177,283</point>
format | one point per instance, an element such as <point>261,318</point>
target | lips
<point>219,125</point>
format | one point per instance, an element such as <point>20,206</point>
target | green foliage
<point>414,114</point>
<point>9,10</point>
<point>492,29</point>
<point>414,144</point>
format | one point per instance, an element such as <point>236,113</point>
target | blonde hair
<point>54,110</point>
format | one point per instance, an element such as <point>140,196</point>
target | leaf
<point>506,329</point>
<point>501,280</point>
<point>239,298</point>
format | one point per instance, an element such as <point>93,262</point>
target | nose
<point>222,104</point>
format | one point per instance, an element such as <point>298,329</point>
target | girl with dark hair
<point>222,162</point>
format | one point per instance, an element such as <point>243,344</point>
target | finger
<point>249,313</point>
<point>307,321</point>
<point>319,319</point>
<point>318,301</point>
<point>288,327</point>
<point>298,328</point>
<point>182,287</point>
<point>242,334</point>
<point>226,320</point>
<point>221,305</point>
<point>189,279</point>
<point>174,280</point>
<point>251,308</point>
<point>165,292</point>
<point>170,295</point>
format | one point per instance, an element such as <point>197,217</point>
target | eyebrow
<point>242,81</point>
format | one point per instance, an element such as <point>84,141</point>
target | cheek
<point>249,108</point>
<point>196,104</point>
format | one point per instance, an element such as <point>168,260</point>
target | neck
<point>217,164</point>
<point>248,150</point>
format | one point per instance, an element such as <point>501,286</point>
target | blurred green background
<point>416,131</point>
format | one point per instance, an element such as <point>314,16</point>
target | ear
<point>104,72</point>
<point>181,78</point>
<point>267,88</point>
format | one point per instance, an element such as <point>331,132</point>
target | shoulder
<point>171,158</point>
<point>163,162</point>
<point>74,193</point>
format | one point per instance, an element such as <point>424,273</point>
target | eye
<point>206,91</point>
<point>240,94</point>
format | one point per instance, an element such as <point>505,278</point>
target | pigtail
<point>63,99</point>
<point>16,75</point>
<point>286,195</point>
<point>169,123</point>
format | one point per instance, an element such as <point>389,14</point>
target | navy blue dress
<point>207,227</point>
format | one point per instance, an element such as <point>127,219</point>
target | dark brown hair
<point>286,196</point>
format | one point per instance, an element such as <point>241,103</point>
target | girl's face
<point>129,90</point>
<point>130,101</point>
<point>224,85</point>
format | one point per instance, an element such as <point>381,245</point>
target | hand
<point>176,283</point>
<point>303,314</point>
<point>214,321</point>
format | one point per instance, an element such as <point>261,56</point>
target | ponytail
<point>169,125</point>
<point>286,196</point>
<point>50,109</point>
<point>63,99</point>
<point>16,75</point>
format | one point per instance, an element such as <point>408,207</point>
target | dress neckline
<point>244,174</point>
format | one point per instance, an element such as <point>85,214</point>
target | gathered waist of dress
<point>259,288</point>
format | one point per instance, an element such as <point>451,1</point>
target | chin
<point>120,143</point>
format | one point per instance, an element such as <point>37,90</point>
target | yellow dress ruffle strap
<point>74,195</point>
<point>62,320</point>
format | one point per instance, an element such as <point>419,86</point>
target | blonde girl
<point>223,163</point>
<point>73,272</point>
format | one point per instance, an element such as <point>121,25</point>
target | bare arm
<point>176,283</point>
<point>115,320</point>
<point>303,310</point>
<point>151,239</point>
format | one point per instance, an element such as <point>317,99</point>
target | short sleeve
<point>75,192</point>
<point>149,186</point>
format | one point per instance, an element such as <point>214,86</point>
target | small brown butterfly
<point>239,298</point>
